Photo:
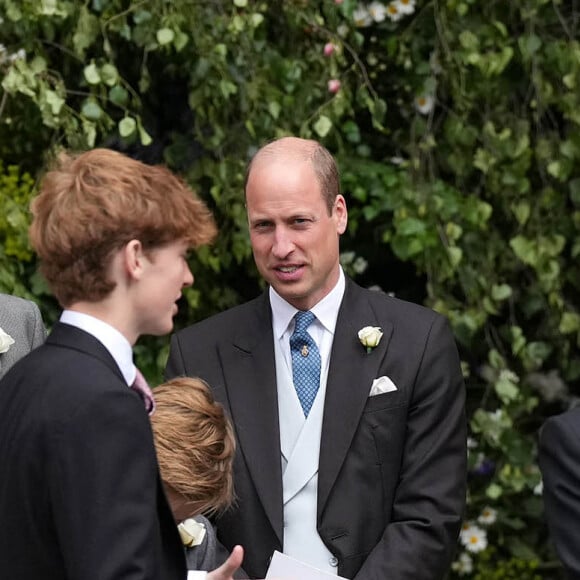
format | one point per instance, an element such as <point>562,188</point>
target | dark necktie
<point>305,361</point>
<point>142,388</point>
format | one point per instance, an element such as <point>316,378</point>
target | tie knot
<point>303,320</point>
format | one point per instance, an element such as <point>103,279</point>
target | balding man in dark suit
<point>351,433</point>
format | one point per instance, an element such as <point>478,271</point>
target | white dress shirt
<point>117,345</point>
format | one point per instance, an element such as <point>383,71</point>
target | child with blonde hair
<point>195,450</point>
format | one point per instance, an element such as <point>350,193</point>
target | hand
<point>227,569</point>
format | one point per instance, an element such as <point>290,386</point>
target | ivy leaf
<point>351,131</point>
<point>165,36</point>
<point>274,109</point>
<point>522,212</point>
<point>506,390</point>
<point>570,322</point>
<point>91,110</point>
<point>181,39</point>
<point>501,292</point>
<point>525,250</point>
<point>455,255</point>
<point>142,16</point>
<point>127,126</point>
<point>144,137</point>
<point>109,74</point>
<point>323,126</point>
<point>54,101</point>
<point>574,186</point>
<point>118,96</point>
<point>227,88</point>
<point>15,82</point>
<point>90,132</point>
<point>411,227</point>
<point>91,74</point>
<point>87,30</point>
<point>256,19</point>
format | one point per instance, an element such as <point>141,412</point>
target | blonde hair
<point>92,204</point>
<point>195,444</point>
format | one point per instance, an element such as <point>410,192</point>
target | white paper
<point>283,567</point>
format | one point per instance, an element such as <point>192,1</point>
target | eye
<point>262,226</point>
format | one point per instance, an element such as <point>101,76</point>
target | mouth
<point>288,272</point>
<point>287,269</point>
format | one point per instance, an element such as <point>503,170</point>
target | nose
<point>283,244</point>
<point>188,277</point>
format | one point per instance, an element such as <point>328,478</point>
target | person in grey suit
<point>80,492</point>
<point>352,433</point>
<point>21,321</point>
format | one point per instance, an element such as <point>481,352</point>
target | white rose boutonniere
<point>192,532</point>
<point>6,341</point>
<point>370,336</point>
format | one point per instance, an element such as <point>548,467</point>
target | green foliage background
<point>456,128</point>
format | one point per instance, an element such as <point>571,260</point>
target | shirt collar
<point>117,345</point>
<point>326,311</point>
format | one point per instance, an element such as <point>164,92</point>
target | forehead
<point>278,176</point>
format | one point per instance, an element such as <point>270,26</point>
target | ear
<point>340,214</point>
<point>133,259</point>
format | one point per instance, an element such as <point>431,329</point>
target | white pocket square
<point>382,385</point>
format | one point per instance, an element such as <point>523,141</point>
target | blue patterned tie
<point>305,361</point>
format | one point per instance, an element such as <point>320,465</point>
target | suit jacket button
<point>333,561</point>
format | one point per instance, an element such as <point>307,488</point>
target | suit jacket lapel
<point>250,376</point>
<point>350,376</point>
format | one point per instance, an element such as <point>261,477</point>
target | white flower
<point>6,341</point>
<point>471,443</point>
<point>370,336</point>
<point>361,17</point>
<point>424,104</point>
<point>192,532</point>
<point>488,516</point>
<point>378,11</point>
<point>508,375</point>
<point>473,538</point>
<point>396,160</point>
<point>405,6</point>
<point>393,11</point>
<point>360,265</point>
<point>539,488</point>
<point>347,257</point>
<point>463,565</point>
<point>20,54</point>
